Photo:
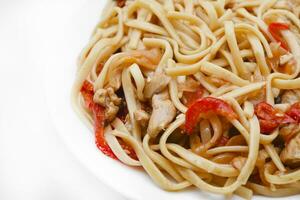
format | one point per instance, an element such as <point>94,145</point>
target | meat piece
<point>291,153</point>
<point>162,114</point>
<point>156,83</point>
<point>142,117</point>
<point>291,96</point>
<point>238,162</point>
<point>111,111</point>
<point>147,58</point>
<point>108,99</point>
<point>289,131</point>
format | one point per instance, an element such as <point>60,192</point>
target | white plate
<point>73,27</point>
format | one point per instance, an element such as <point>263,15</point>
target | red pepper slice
<point>274,29</point>
<point>99,120</point>
<point>267,126</point>
<point>87,92</point>
<point>192,97</point>
<point>294,112</point>
<point>206,105</point>
<point>270,118</point>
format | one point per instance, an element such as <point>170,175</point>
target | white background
<point>34,163</point>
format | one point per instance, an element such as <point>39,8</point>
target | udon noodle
<point>197,92</point>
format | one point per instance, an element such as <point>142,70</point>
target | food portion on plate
<point>197,93</point>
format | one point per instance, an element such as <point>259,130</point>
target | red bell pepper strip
<point>206,105</point>
<point>87,92</point>
<point>270,118</point>
<point>294,112</point>
<point>274,29</point>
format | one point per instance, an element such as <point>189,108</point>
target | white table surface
<point>34,163</point>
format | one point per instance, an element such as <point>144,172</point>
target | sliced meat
<point>162,114</point>
<point>142,117</point>
<point>291,96</point>
<point>147,58</point>
<point>156,83</point>
<point>108,99</point>
<point>290,155</point>
<point>289,131</point>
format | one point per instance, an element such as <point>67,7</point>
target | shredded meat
<point>108,99</point>
<point>290,155</point>
<point>155,84</point>
<point>238,162</point>
<point>162,114</point>
<point>142,117</point>
<point>289,131</point>
<point>291,96</point>
<point>147,58</point>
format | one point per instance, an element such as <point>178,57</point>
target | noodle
<point>197,93</point>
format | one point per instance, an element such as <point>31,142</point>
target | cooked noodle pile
<point>199,93</point>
